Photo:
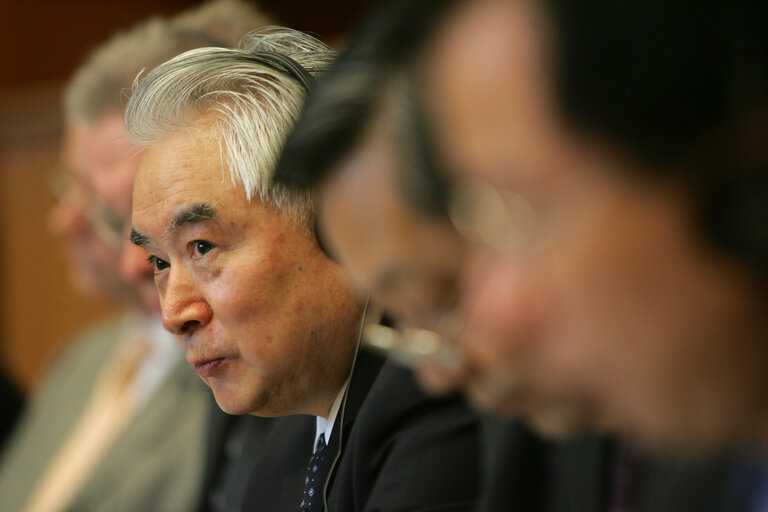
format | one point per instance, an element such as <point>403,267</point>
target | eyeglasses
<point>410,346</point>
<point>525,224</point>
<point>106,223</point>
<point>504,221</point>
<point>483,215</point>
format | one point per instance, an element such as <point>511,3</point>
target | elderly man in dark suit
<point>267,319</point>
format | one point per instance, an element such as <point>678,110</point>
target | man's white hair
<point>254,104</point>
<point>97,88</point>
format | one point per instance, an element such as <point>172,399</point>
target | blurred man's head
<point>353,121</point>
<point>90,229</point>
<point>618,139</point>
<point>99,163</point>
<point>267,319</point>
<point>364,147</point>
<point>376,217</point>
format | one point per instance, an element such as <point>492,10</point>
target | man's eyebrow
<point>139,239</point>
<point>194,214</point>
<point>197,213</point>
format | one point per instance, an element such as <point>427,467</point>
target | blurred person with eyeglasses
<point>120,422</point>
<point>623,145</point>
<point>405,231</point>
<point>628,242</point>
<point>364,145</point>
<point>521,190</point>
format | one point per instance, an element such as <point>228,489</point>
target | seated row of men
<point>467,168</point>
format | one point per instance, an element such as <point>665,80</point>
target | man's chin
<point>229,402</point>
<point>232,407</point>
<point>236,404</point>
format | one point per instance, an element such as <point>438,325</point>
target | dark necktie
<point>313,485</point>
<point>622,481</point>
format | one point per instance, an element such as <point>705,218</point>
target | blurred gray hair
<point>254,105</point>
<point>97,87</point>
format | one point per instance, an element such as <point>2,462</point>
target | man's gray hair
<point>98,86</point>
<point>254,106</point>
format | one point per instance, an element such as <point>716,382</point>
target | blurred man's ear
<point>319,239</point>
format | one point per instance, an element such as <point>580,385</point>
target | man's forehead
<point>183,180</point>
<point>484,45</point>
<point>169,197</point>
<point>179,165</point>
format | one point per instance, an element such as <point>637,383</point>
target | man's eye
<point>201,247</point>
<point>157,264</point>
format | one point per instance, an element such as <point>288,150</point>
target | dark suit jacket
<point>233,445</point>
<point>524,473</point>
<point>10,406</point>
<point>392,449</point>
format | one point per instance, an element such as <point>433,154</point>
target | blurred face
<point>93,154</point>
<point>113,162</point>
<point>92,214</point>
<point>412,266</point>
<point>408,262</point>
<point>267,320</point>
<point>613,300</point>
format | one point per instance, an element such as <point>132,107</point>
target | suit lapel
<point>277,480</point>
<point>673,486</point>
<point>219,425</point>
<point>367,367</point>
<point>515,467</point>
<point>579,470</point>
<point>231,480</point>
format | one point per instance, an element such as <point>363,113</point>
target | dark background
<point>44,40</point>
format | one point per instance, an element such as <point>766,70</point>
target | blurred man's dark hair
<point>351,93</point>
<point>683,88</point>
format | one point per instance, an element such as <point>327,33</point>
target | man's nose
<point>184,309</point>
<point>499,296</point>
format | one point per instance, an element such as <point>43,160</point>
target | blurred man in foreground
<point>370,151</point>
<point>385,211</point>
<point>120,423</point>
<point>268,320</point>
<point>631,249</point>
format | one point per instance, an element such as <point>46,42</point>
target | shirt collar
<point>325,426</point>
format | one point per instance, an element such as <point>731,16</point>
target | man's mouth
<point>207,367</point>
